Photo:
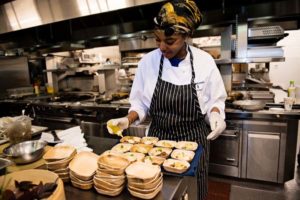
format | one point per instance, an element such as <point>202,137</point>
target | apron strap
<point>192,64</point>
<point>161,66</point>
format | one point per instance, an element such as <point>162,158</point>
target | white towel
<point>72,136</point>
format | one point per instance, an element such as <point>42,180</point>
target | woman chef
<point>178,85</point>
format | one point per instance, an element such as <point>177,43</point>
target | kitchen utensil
<point>56,138</point>
<point>25,152</point>
<point>251,105</point>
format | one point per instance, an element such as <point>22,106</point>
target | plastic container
<point>19,130</point>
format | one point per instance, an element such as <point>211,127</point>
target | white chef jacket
<point>209,84</point>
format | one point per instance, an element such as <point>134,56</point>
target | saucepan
<point>250,105</point>
<point>233,96</point>
<point>25,152</point>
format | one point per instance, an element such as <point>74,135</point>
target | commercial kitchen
<point>71,64</point>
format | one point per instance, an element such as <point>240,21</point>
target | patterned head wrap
<point>181,16</point>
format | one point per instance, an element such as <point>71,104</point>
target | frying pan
<point>251,105</point>
<point>232,96</point>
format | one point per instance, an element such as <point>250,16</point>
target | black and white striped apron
<point>176,115</point>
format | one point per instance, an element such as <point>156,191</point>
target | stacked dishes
<point>110,175</point>
<point>58,159</point>
<point>82,170</point>
<point>144,180</point>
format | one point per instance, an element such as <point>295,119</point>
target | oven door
<point>225,149</point>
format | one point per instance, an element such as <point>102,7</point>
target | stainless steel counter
<point>230,113</point>
<point>262,114</point>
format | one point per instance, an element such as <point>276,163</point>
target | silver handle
<point>230,159</point>
<point>235,135</point>
<point>83,115</point>
<point>54,119</point>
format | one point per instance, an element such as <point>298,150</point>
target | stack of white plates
<point>58,159</point>
<point>145,180</point>
<point>110,175</point>
<point>82,170</point>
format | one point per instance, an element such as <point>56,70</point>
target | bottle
<point>292,90</point>
<point>36,88</point>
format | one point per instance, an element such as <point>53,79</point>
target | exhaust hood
<point>44,25</point>
<point>22,14</point>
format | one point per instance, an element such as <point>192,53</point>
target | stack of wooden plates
<point>58,159</point>
<point>145,180</point>
<point>110,175</point>
<point>82,170</point>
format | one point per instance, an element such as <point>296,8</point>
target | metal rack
<point>242,46</point>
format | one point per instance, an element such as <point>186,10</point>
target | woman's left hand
<point>217,125</point>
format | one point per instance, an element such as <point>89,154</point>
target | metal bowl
<point>251,105</point>
<point>25,152</point>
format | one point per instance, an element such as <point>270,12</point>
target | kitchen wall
<point>111,52</point>
<point>282,72</point>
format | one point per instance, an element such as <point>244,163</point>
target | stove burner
<point>72,97</point>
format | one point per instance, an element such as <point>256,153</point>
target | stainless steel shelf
<point>249,60</point>
<point>130,64</point>
<point>109,67</point>
<point>80,69</point>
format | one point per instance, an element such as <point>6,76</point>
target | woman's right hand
<point>116,126</point>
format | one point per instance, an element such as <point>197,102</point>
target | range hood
<point>54,25</point>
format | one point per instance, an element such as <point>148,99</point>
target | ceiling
<point>61,29</point>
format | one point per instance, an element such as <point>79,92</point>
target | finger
<point>213,125</point>
<point>109,130</point>
<point>210,135</point>
<point>114,122</point>
<point>213,135</point>
<point>109,122</point>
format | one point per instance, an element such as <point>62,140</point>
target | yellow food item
<point>188,146</point>
<point>167,144</point>
<point>178,165</point>
<point>115,129</point>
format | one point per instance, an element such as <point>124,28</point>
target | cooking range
<point>225,151</point>
<point>70,109</point>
